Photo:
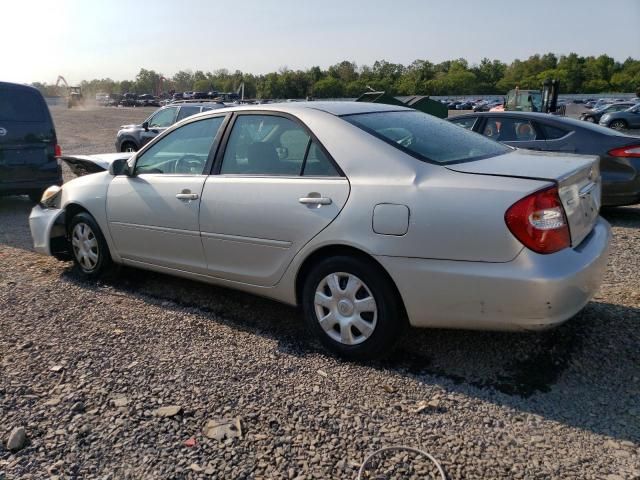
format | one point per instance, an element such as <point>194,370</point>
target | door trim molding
<point>252,240</point>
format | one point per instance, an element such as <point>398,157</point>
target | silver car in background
<point>369,216</point>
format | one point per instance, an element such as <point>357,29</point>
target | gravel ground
<point>87,367</point>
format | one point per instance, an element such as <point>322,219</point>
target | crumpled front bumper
<point>46,224</point>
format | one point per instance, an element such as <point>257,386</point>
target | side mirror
<point>119,167</point>
<point>145,125</point>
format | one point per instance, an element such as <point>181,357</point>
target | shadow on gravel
<point>14,221</point>
<point>626,217</point>
<point>578,374</point>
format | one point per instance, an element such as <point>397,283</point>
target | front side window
<point>426,137</point>
<point>164,118</point>
<point>265,145</point>
<point>184,151</point>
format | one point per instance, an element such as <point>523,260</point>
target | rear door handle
<point>315,200</point>
<point>187,196</point>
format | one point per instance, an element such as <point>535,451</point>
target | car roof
<point>18,85</point>
<point>337,108</point>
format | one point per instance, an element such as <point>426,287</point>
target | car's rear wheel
<point>88,246</point>
<point>590,119</point>
<point>128,147</point>
<point>352,307</point>
<point>618,125</point>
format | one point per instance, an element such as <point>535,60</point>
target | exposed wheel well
<point>71,211</point>
<point>340,250</point>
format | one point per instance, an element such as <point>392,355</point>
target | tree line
<point>577,74</point>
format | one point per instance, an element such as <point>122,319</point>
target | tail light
<point>630,151</point>
<point>539,221</point>
<point>57,151</point>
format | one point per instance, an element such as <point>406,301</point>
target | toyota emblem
<point>3,131</point>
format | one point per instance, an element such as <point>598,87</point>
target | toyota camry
<point>370,217</point>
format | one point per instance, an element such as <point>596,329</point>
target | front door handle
<point>187,196</point>
<point>315,200</point>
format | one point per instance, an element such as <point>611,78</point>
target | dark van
<point>28,143</point>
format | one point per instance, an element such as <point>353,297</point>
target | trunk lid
<point>577,177</point>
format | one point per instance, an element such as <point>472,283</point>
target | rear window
<point>426,137</point>
<point>22,105</point>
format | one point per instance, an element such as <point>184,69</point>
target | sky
<point>82,40</point>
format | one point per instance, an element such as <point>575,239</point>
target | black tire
<point>590,119</point>
<point>35,195</point>
<point>618,125</point>
<point>388,321</point>
<point>128,147</point>
<point>103,263</point>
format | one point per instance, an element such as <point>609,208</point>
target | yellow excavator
<point>73,94</point>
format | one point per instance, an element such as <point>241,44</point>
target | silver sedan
<point>370,217</point>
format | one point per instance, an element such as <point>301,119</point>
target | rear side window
<point>426,137</point>
<point>552,133</point>
<point>22,105</point>
<point>187,112</point>
<point>265,145</point>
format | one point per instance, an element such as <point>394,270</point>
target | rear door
<point>276,189</point>
<point>27,136</point>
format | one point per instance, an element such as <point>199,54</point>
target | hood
<point>132,125</point>
<point>86,164</point>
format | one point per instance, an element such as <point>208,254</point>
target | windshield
<point>426,137</point>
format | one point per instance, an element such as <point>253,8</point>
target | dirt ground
<point>93,129</point>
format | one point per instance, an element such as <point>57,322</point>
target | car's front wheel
<point>352,307</point>
<point>590,119</point>
<point>128,147</point>
<point>618,125</point>
<point>89,248</point>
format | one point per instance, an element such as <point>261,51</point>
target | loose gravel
<point>141,375</point>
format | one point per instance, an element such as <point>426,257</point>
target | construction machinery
<point>73,94</point>
<point>545,100</point>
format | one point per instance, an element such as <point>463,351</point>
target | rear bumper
<point>45,224</point>
<point>532,292</point>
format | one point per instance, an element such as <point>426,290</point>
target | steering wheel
<point>189,164</point>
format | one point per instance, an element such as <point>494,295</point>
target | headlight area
<point>51,197</point>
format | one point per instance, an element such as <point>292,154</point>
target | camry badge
<point>3,131</point>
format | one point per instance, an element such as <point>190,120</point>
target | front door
<point>153,214</point>
<point>277,188</point>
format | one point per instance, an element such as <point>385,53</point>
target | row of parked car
<point>619,115</point>
<point>127,100</point>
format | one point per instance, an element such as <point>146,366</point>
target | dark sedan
<point>619,154</point>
